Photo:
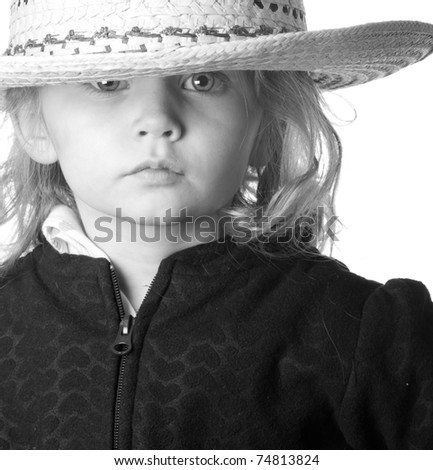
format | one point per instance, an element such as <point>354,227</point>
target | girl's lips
<point>156,166</point>
<point>157,176</point>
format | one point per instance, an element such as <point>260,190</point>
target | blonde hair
<point>29,190</point>
<point>301,152</point>
<point>294,171</point>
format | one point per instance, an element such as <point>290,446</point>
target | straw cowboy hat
<point>61,41</point>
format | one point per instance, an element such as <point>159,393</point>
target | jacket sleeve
<point>388,402</point>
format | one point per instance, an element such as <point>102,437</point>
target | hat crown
<point>35,20</point>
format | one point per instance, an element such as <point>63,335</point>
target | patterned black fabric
<point>230,351</point>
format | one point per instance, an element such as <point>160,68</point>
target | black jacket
<point>230,350</point>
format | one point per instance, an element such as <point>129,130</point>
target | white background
<point>386,190</point>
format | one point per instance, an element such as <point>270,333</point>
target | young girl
<point>171,178</point>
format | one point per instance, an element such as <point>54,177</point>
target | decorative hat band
<point>52,27</point>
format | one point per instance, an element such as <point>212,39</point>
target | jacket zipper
<point>122,346</point>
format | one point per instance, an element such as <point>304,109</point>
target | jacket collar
<point>67,246</point>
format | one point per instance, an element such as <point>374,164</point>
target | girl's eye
<point>203,82</point>
<point>110,85</point>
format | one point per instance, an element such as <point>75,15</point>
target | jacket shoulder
<point>392,369</point>
<point>23,268</point>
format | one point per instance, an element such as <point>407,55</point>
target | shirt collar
<point>63,230</point>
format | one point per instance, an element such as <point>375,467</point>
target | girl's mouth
<point>157,167</point>
<point>157,173</point>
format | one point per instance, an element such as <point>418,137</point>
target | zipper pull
<point>123,343</point>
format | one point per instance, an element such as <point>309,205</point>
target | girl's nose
<point>159,113</point>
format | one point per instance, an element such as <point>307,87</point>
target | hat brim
<point>335,58</point>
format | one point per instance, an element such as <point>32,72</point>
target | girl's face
<point>152,144</point>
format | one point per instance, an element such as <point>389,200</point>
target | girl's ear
<point>33,136</point>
